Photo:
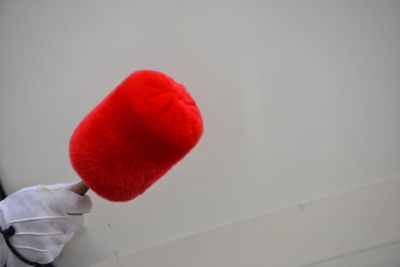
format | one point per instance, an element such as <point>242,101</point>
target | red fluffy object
<point>135,135</point>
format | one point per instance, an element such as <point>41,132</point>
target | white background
<point>300,100</point>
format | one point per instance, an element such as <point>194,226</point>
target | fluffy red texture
<point>135,135</point>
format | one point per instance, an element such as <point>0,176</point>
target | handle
<point>80,188</point>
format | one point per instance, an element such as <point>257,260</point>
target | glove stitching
<point>37,218</point>
<point>37,234</point>
<point>38,250</point>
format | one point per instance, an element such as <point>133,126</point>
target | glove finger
<point>49,257</point>
<point>40,243</point>
<point>42,257</point>
<point>55,187</point>
<point>77,204</point>
<point>76,222</point>
<point>65,201</point>
<point>49,226</point>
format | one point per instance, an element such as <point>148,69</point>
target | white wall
<point>352,229</point>
<point>300,100</point>
<point>387,256</point>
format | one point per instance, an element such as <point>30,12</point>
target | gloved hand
<point>45,218</point>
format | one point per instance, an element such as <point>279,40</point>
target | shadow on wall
<point>2,192</point>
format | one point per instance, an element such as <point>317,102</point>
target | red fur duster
<point>135,135</point>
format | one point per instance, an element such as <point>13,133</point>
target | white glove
<point>45,218</point>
